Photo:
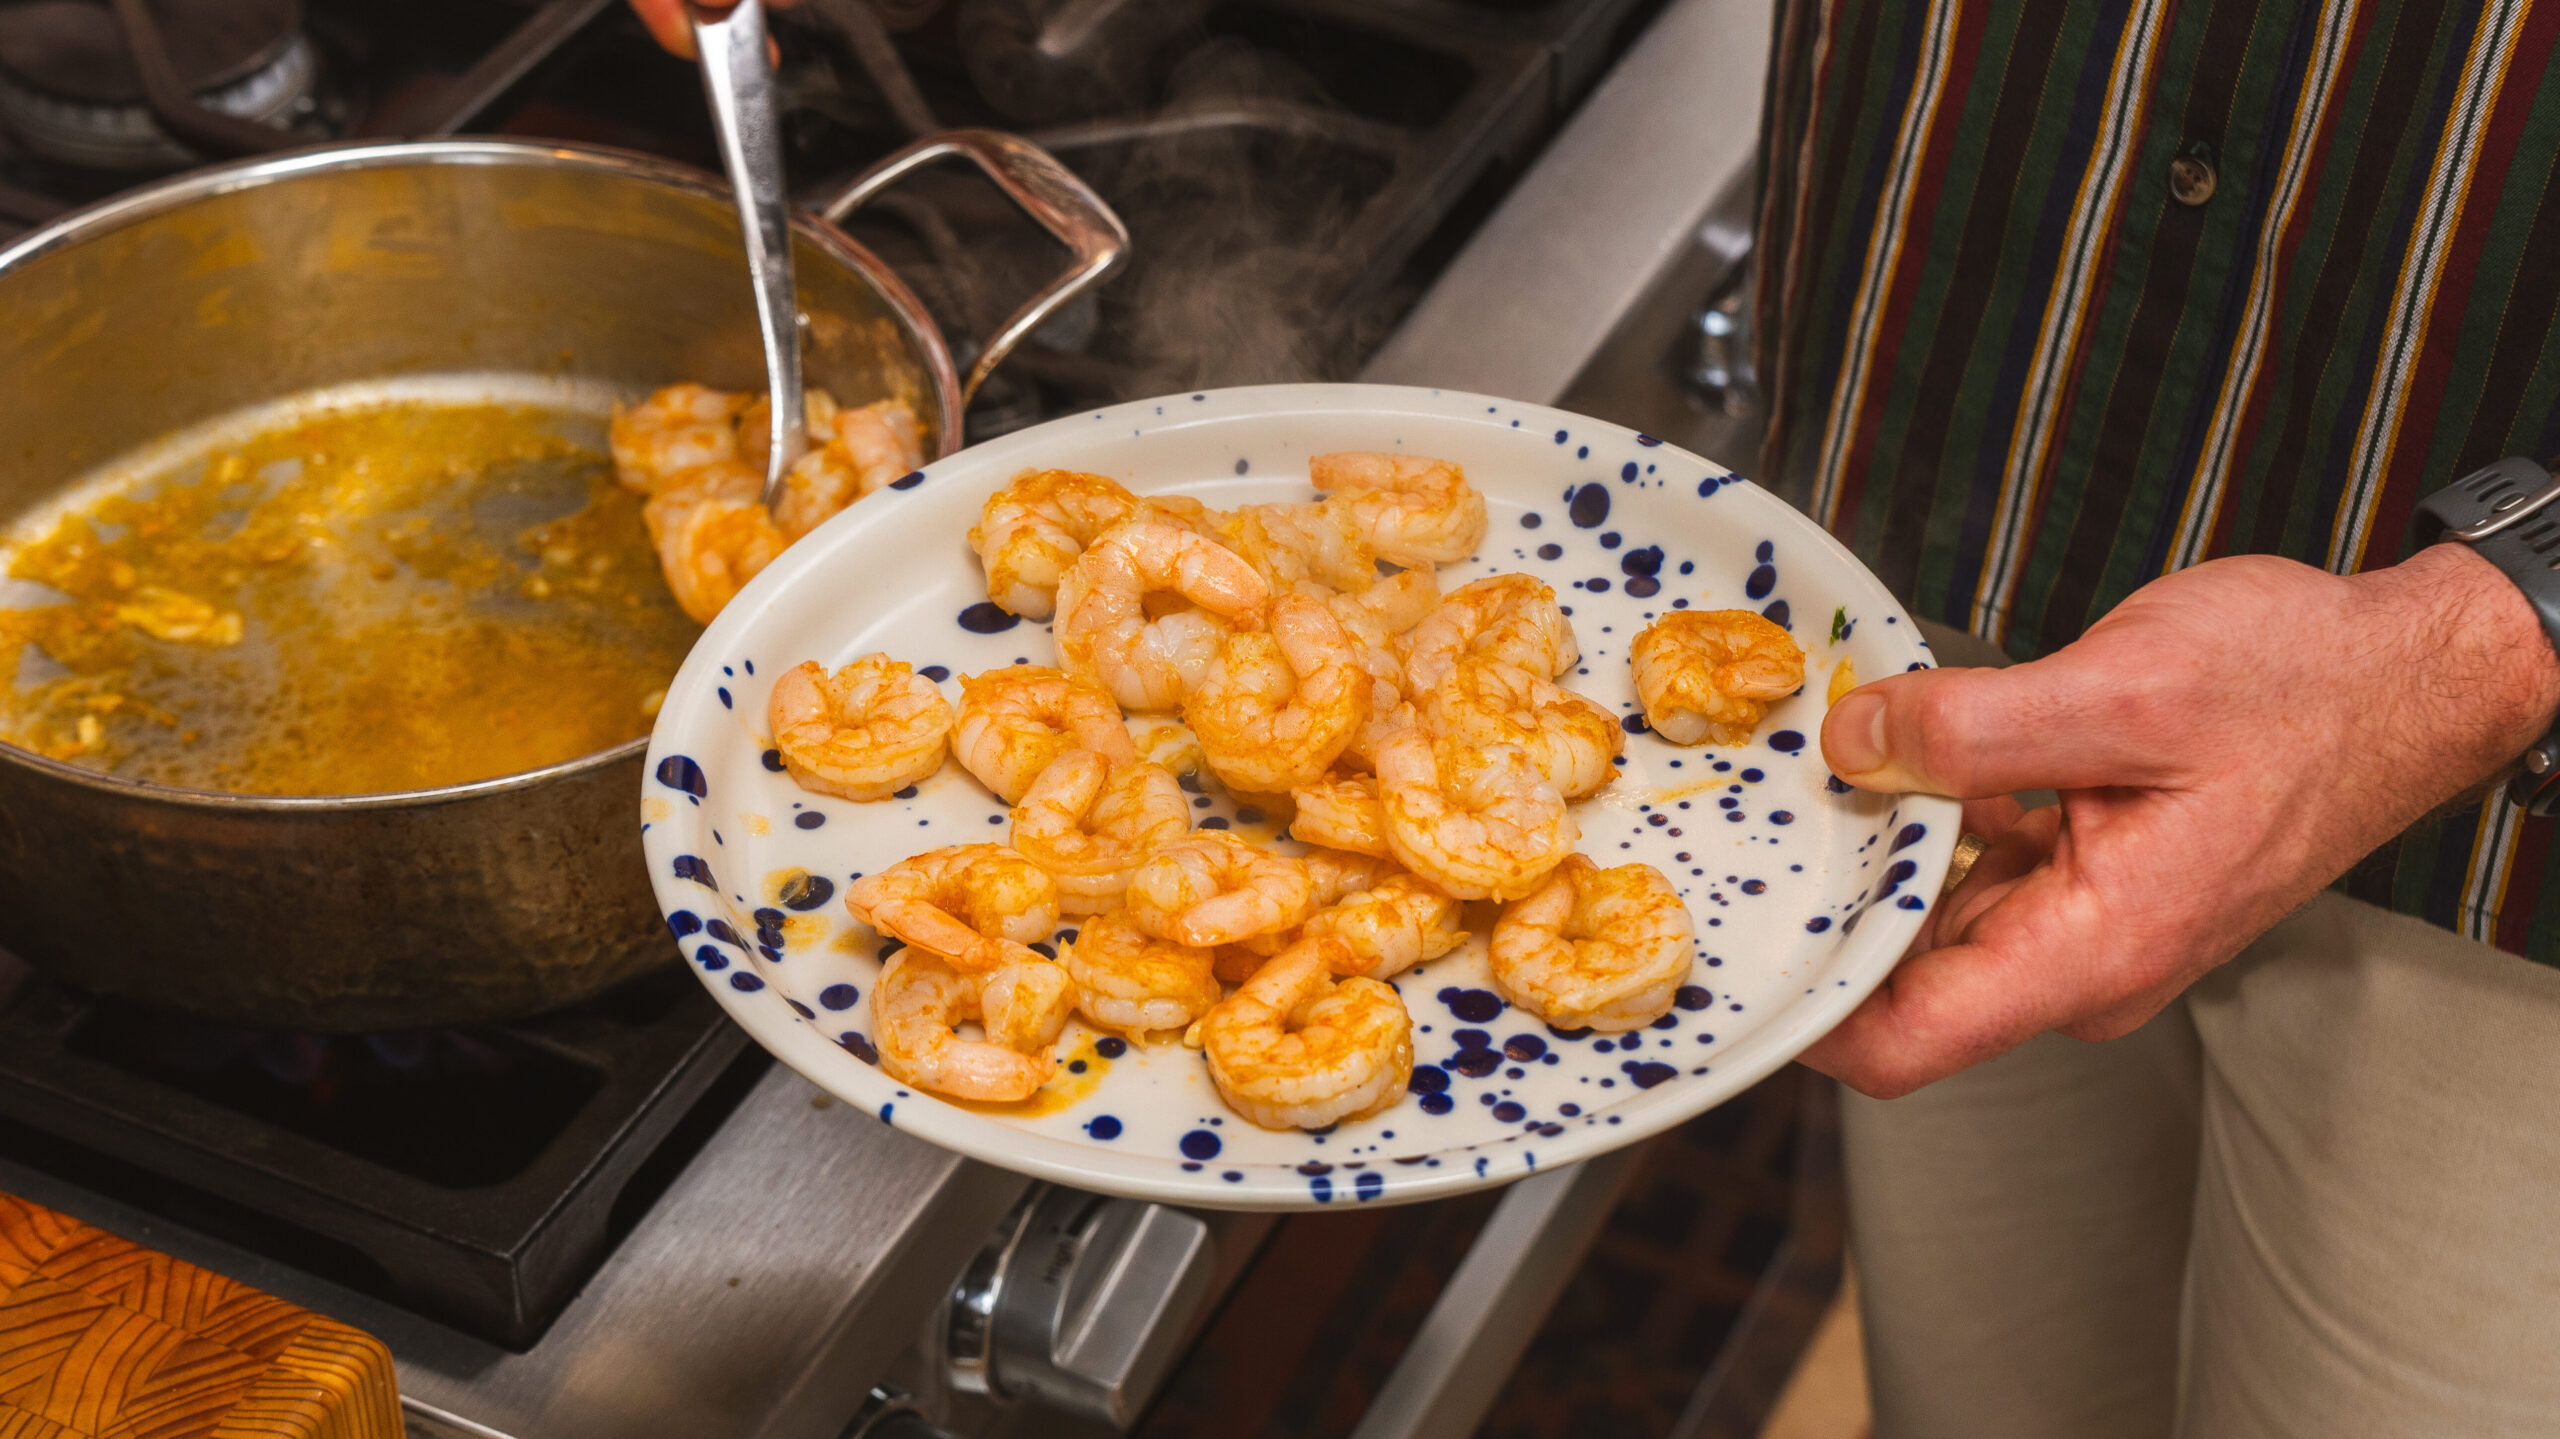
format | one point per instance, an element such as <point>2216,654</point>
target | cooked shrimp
<point>1484,702</point>
<point>1112,631</point>
<point>1166,740</point>
<point>980,906</point>
<point>865,732</point>
<point>864,450</point>
<point>1477,823</point>
<point>1088,822</point>
<point>1296,1048</point>
<point>1391,926</point>
<point>1024,1005</point>
<point>1412,510</point>
<point>1031,530</point>
<point>1276,707</point>
<point>1134,983</point>
<point>1711,674</point>
<point>712,535</point>
<point>1594,948</point>
<point>1401,600</point>
<point>1512,618</point>
<point>916,1009</point>
<point>1015,722</point>
<point>1373,619</point>
<point>1212,888</point>
<point>1342,814</point>
<point>755,425</point>
<point>1339,874</point>
<point>672,433</point>
<point>1299,546</point>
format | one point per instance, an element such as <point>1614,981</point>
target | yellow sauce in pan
<point>368,601</point>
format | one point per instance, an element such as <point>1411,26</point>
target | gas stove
<point>650,1229</point>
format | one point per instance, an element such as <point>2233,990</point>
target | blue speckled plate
<point>1804,891</point>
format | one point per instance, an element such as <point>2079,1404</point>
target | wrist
<point>2476,654</point>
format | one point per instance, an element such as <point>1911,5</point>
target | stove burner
<point>70,90</point>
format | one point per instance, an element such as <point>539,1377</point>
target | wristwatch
<point>2507,513</point>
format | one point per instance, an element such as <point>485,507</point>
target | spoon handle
<point>737,75</point>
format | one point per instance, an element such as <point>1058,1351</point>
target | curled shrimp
<point>712,535</point>
<point>1711,674</point>
<point>1295,1048</point>
<point>1484,702</point>
<point>1030,531</point>
<point>1112,630</point>
<point>1297,546</point>
<point>1024,1005</point>
<point>1342,814</point>
<point>979,906</point>
<point>1134,983</point>
<point>1511,618</point>
<point>1015,722</point>
<point>1412,510</point>
<point>1477,823</point>
<point>1275,707</point>
<point>1593,948</point>
<point>1373,619</point>
<point>1339,874</point>
<point>917,1008</point>
<point>863,450</point>
<point>1089,822</point>
<point>865,732</point>
<point>1391,926</point>
<point>1211,888</point>
<point>673,432</point>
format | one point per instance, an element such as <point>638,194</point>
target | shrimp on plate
<point>712,535</point>
<point>1511,618</point>
<point>865,732</point>
<point>864,450</point>
<point>1339,874</point>
<point>979,906</point>
<point>1276,707</point>
<point>1483,701</point>
<point>1024,1005</point>
<point>1030,531</point>
<point>1211,888</point>
<point>1134,984</point>
<point>1711,674</point>
<point>1476,823</point>
<point>1113,627</point>
<point>917,1008</point>
<point>1342,813</point>
<point>1411,509</point>
<point>1089,822</point>
<point>1301,546</point>
<point>1391,926</point>
<point>1015,722</point>
<point>1593,948</point>
<point>1296,1048</point>
<point>1374,619</point>
<point>672,433</point>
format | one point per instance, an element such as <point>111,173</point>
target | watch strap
<point>2509,512</point>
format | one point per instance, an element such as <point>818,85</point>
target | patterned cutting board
<point>101,1338</point>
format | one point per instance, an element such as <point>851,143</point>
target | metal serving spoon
<point>737,75</point>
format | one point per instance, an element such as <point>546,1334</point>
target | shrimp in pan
<point>1593,948</point>
<point>917,1008</point>
<point>1294,1047</point>
<point>1342,814</point>
<point>1391,926</point>
<point>1030,531</point>
<point>1015,722</point>
<point>1511,618</point>
<point>1089,822</point>
<point>1212,888</point>
<point>1275,707</point>
<point>1135,984</point>
<point>712,535</point>
<point>1113,629</point>
<point>865,732</point>
<point>1485,702</point>
<point>1711,674</point>
<point>1477,823</point>
<point>1412,510</point>
<point>863,450</point>
<point>675,431</point>
<point>979,906</point>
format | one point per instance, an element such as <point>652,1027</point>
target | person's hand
<point>2226,742</point>
<point>666,21</point>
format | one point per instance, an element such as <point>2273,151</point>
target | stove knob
<point>1094,1302</point>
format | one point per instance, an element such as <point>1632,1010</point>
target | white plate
<point>1804,891</point>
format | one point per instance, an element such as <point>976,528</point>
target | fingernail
<point>1853,734</point>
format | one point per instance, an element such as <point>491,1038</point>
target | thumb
<point>2062,722</point>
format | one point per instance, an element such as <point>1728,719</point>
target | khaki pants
<point>2317,1196</point>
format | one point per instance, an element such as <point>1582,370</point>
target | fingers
<point>2069,721</point>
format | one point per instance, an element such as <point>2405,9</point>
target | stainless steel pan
<point>250,283</point>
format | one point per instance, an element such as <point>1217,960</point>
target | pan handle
<point>1046,190</point>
